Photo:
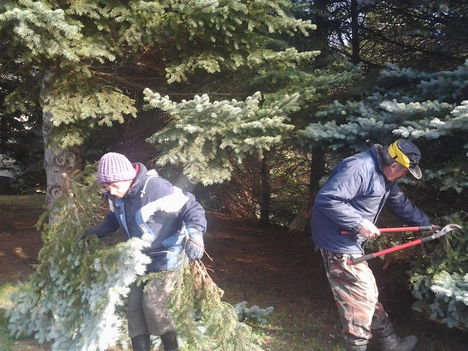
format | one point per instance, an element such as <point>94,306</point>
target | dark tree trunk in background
<point>265,195</point>
<point>322,32</point>
<point>355,56</point>
<point>317,170</point>
<point>3,133</point>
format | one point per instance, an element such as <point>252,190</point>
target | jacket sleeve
<point>193,214</point>
<point>335,198</point>
<point>107,226</point>
<point>404,209</point>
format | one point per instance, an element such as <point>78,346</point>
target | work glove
<point>368,230</point>
<point>194,245</point>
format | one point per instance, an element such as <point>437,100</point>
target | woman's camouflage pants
<point>356,297</point>
<point>147,311</point>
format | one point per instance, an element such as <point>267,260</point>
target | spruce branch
<point>203,320</point>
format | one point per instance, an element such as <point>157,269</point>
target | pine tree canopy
<point>207,137</point>
<point>409,104</point>
<point>89,51</point>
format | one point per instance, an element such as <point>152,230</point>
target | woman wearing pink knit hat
<point>144,204</point>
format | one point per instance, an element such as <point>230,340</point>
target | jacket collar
<point>375,152</point>
<point>139,179</point>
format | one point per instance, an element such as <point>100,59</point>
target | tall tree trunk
<point>58,162</point>
<point>317,170</point>
<point>265,196</point>
<point>356,55</point>
<point>3,133</point>
<point>321,34</point>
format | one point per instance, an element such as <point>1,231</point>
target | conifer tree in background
<point>77,58</point>
<point>428,34</point>
<point>211,139</point>
<point>406,103</point>
<point>207,137</point>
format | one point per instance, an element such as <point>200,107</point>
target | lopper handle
<point>438,233</point>
<point>361,259</point>
<point>424,228</point>
<point>391,249</point>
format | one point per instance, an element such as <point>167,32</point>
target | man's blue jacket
<point>153,206</point>
<point>357,189</point>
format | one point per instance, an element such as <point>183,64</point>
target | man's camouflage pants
<point>356,297</point>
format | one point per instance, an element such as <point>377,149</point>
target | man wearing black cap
<point>351,201</point>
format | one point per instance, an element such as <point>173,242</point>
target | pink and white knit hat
<point>114,167</point>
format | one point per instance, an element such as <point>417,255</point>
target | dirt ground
<point>265,267</point>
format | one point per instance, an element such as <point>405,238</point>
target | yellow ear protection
<point>395,153</point>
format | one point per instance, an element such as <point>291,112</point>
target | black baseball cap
<point>407,154</point>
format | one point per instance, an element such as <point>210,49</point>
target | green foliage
<point>209,137</point>
<point>254,313</point>
<point>79,105</point>
<point>409,104</point>
<point>73,297</point>
<point>6,341</point>
<point>77,41</point>
<point>41,33</point>
<point>440,281</point>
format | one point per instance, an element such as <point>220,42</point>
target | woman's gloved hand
<point>194,245</point>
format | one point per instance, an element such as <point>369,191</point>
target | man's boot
<point>141,342</point>
<point>352,347</point>
<point>169,341</point>
<point>394,343</point>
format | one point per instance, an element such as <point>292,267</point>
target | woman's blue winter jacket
<point>153,206</point>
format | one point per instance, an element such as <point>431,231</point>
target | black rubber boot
<point>352,347</point>
<point>169,341</point>
<point>141,343</point>
<point>394,343</point>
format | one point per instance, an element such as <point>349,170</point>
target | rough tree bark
<point>3,133</point>
<point>356,54</point>
<point>265,196</point>
<point>58,162</point>
<point>317,171</point>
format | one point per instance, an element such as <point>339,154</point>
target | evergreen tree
<point>207,137</point>
<point>80,56</point>
<point>409,104</point>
